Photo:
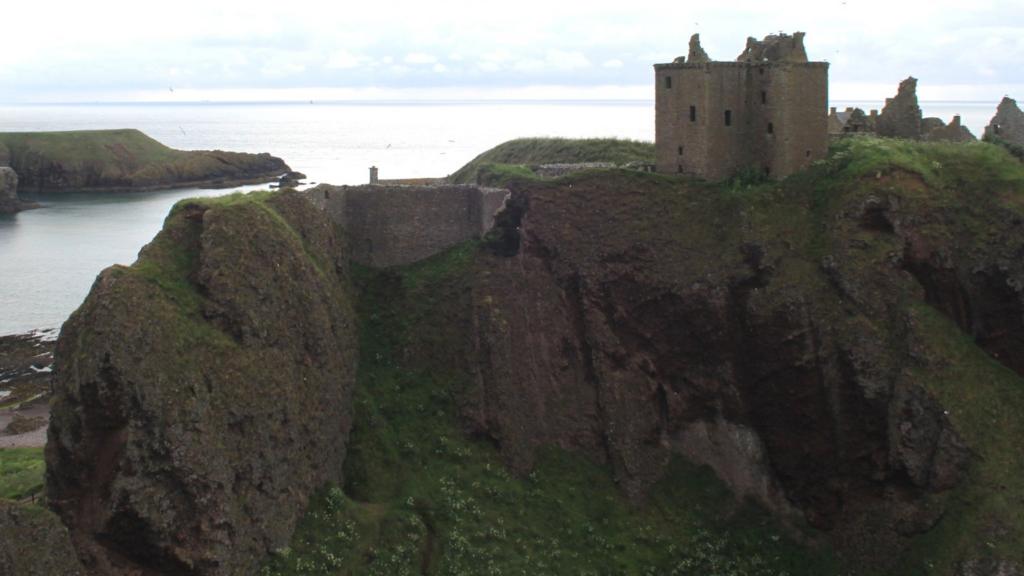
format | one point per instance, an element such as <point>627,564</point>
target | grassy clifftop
<point>125,160</point>
<point>530,151</point>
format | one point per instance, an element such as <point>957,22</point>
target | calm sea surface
<point>50,257</point>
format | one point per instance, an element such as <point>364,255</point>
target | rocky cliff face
<point>777,339</point>
<point>203,393</point>
<point>33,543</point>
<point>9,202</point>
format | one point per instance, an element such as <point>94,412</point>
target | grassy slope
<point>422,498</point>
<point>21,473</point>
<point>527,151</point>
<point>77,148</point>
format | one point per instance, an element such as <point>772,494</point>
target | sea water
<point>49,257</point>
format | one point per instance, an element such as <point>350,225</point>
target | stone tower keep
<point>767,111</point>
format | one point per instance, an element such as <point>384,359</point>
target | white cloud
<point>419,58</point>
<point>561,60</point>
<point>308,43</point>
<point>343,60</point>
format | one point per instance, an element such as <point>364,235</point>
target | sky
<point>246,50</point>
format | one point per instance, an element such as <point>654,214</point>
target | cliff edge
<point>203,393</point>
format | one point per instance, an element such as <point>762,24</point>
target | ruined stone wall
<point>1008,123</point>
<point>901,116</point>
<point>396,225</point>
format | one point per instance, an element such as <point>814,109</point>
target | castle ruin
<point>767,111</point>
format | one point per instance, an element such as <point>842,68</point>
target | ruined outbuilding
<point>766,111</point>
<point>1008,123</point>
<point>851,121</point>
<point>955,131</point>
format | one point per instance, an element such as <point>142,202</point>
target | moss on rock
<point>203,392</point>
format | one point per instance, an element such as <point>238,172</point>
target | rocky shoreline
<point>26,370</point>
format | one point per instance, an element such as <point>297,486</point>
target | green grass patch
<point>984,400</point>
<point>21,473</point>
<point>940,164</point>
<point>85,147</point>
<point>531,151</point>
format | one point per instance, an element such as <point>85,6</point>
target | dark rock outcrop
<point>1008,123</point>
<point>700,332</point>
<point>901,117</point>
<point>33,542</point>
<point>9,202</point>
<point>291,179</point>
<point>203,393</point>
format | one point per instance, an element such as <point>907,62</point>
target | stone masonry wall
<point>766,112</point>
<point>395,225</point>
<point>777,117</point>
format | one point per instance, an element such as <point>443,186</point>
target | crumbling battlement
<point>395,225</point>
<point>766,111</point>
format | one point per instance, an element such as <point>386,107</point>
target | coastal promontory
<point>126,160</point>
<point>630,373</point>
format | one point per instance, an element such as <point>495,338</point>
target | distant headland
<point>124,160</point>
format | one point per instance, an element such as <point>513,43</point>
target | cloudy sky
<point>116,50</point>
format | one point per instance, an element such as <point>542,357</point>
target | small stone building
<point>766,111</point>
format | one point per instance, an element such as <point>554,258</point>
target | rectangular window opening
<point>680,150</point>
<point>764,97</point>
<point>693,113</point>
<point>728,117</point>
<point>808,154</point>
<point>680,167</point>
<point>771,128</point>
<point>668,82</point>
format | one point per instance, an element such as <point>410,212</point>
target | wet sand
<point>34,439</point>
